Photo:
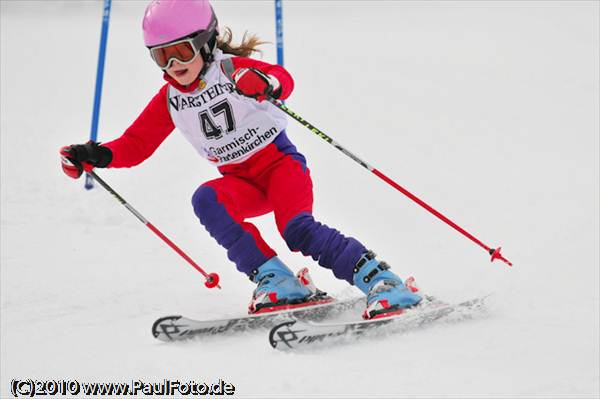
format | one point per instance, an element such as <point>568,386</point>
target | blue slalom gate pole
<point>279,30</point>
<point>89,181</point>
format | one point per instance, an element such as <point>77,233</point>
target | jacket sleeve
<point>144,135</point>
<point>283,76</point>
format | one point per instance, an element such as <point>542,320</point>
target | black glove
<point>90,152</point>
<point>79,157</point>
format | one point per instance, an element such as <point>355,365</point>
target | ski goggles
<point>184,50</point>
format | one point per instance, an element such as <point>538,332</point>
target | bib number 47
<point>221,111</point>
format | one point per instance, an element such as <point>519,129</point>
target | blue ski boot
<point>277,287</point>
<point>386,293</point>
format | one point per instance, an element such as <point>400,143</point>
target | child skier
<point>215,96</point>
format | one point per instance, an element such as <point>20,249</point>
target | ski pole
<point>212,279</point>
<point>494,252</point>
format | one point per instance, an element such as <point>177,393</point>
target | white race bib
<point>224,126</point>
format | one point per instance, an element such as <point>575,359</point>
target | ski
<point>178,328</point>
<point>297,335</point>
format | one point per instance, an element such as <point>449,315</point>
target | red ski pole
<point>212,279</point>
<point>494,252</point>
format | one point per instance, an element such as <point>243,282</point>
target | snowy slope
<point>488,111</point>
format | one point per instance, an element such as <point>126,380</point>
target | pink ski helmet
<point>166,21</point>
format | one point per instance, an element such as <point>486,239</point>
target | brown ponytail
<point>249,44</point>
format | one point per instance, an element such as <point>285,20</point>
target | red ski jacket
<point>154,124</point>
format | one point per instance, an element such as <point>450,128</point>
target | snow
<point>489,111</point>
